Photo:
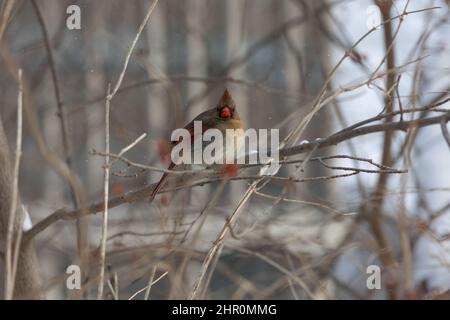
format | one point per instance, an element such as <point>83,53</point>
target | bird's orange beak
<point>225,112</point>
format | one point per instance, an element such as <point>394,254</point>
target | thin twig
<point>130,51</point>
<point>47,153</point>
<point>214,252</point>
<point>279,267</point>
<point>6,13</point>
<point>10,257</point>
<point>445,133</point>
<point>308,203</point>
<point>374,209</point>
<point>131,145</point>
<point>114,290</point>
<point>105,199</point>
<point>109,97</point>
<point>150,283</point>
<point>143,234</point>
<point>146,287</point>
<point>400,105</point>
<point>59,103</point>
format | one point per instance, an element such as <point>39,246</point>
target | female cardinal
<point>224,116</point>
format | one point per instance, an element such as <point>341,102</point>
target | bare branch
<point>133,196</point>
<point>105,199</point>
<point>445,133</point>
<point>130,51</point>
<point>12,255</point>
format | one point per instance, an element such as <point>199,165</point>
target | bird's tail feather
<point>161,182</point>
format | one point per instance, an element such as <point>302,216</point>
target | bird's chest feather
<point>230,139</point>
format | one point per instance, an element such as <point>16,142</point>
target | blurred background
<point>293,240</point>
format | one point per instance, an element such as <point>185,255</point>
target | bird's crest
<point>226,100</point>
